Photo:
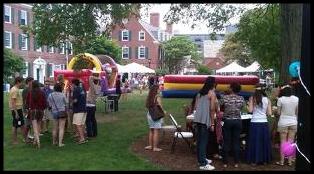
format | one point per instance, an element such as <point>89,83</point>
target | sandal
<point>290,163</point>
<point>156,149</point>
<point>148,148</point>
<point>279,163</point>
<point>82,142</point>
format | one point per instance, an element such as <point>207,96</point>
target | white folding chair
<point>179,134</point>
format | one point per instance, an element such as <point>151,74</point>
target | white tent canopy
<point>121,68</point>
<point>137,68</point>
<point>232,68</point>
<point>253,67</point>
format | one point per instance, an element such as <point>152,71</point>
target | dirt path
<point>184,159</point>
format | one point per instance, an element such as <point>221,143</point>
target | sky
<point>180,27</point>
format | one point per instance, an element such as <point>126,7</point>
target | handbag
<point>61,114</point>
<point>156,112</point>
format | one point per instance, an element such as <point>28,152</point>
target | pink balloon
<point>288,149</point>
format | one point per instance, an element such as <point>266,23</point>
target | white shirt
<point>259,113</point>
<point>288,106</point>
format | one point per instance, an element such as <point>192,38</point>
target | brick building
<point>40,61</point>
<point>140,41</point>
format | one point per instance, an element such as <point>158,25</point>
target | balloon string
<point>295,144</point>
<point>298,68</point>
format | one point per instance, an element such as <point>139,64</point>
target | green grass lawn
<point>111,150</point>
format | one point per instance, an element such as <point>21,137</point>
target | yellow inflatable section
<point>190,86</point>
<point>90,58</point>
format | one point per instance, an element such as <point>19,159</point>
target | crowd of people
<point>217,123</point>
<point>70,108</point>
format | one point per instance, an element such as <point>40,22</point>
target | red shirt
<point>39,102</point>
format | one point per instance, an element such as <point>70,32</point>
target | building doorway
<point>39,70</point>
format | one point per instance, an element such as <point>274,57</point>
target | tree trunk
<point>291,22</point>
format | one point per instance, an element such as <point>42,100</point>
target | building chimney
<point>169,28</point>
<point>154,19</point>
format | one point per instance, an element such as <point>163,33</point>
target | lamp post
<point>148,63</point>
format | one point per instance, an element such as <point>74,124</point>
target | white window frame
<point>51,49</point>
<point>10,16</point>
<point>62,49</point>
<point>10,42</point>
<point>25,12</point>
<point>52,69</point>
<point>139,52</point>
<point>39,49</point>
<point>70,48</point>
<point>125,47</point>
<point>62,66</point>
<point>125,31</point>
<point>57,67</point>
<point>25,46</point>
<point>139,35</point>
<point>26,71</point>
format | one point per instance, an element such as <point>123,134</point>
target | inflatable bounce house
<point>187,86</point>
<point>104,66</point>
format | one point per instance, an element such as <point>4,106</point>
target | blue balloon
<point>293,68</point>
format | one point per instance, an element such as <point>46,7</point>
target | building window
<point>24,42</point>
<point>7,14</point>
<point>50,69</point>
<point>8,39</point>
<point>39,49</point>
<point>141,52</point>
<point>62,47</point>
<point>125,52</point>
<point>125,35</point>
<point>141,35</point>
<point>50,49</point>
<point>57,67</point>
<point>63,67</point>
<point>25,71</point>
<point>23,17</point>
<point>70,49</point>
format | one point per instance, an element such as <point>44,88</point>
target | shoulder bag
<point>156,111</point>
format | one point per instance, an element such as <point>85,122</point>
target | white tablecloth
<point>243,116</point>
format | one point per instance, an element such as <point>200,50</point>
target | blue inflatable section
<point>192,93</point>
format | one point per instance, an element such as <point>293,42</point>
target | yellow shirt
<point>15,93</point>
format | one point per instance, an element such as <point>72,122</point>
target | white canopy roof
<point>121,68</point>
<point>253,67</point>
<point>232,67</point>
<point>137,68</point>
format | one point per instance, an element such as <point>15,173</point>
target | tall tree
<point>13,63</point>
<point>78,23</point>
<point>234,50</point>
<point>259,30</point>
<point>101,45</point>
<point>176,50</point>
<point>217,15</point>
<point>291,22</point>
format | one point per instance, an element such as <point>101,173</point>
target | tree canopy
<point>101,45</point>
<point>78,23</point>
<point>13,63</point>
<point>259,30</point>
<point>175,51</point>
<point>233,49</point>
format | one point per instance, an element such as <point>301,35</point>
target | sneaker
<point>41,134</point>
<point>209,161</point>
<point>30,137</point>
<point>207,167</point>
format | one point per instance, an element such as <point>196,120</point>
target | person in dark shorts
<point>16,104</point>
